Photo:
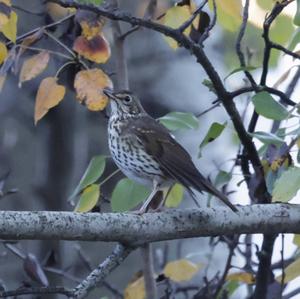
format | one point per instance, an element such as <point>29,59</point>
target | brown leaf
<point>96,49</point>
<point>48,96</point>
<point>89,86</point>
<point>33,66</point>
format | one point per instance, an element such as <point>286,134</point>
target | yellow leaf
<point>174,17</point>
<point>135,289</point>
<point>49,95</point>
<point>10,28</point>
<point>7,2</point>
<point>181,270</point>
<point>2,81</point>
<point>5,11</point>
<point>33,66</point>
<point>291,272</point>
<point>229,13</point>
<point>3,52</point>
<point>245,277</point>
<point>175,196</point>
<point>88,198</point>
<point>298,142</point>
<point>296,240</point>
<point>89,85</point>
<point>90,29</point>
<point>58,12</point>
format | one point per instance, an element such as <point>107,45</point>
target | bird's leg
<point>145,205</point>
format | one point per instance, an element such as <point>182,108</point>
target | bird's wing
<point>173,159</point>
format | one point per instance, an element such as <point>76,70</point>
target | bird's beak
<point>108,92</point>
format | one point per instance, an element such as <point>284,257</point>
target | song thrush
<point>146,152</point>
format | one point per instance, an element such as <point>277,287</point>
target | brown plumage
<point>146,152</point>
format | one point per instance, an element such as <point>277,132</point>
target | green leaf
<point>239,69</point>
<point>266,106</point>
<point>297,15</point>
<point>127,194</point>
<point>209,85</point>
<point>95,2</point>
<point>214,132</point>
<point>295,40</point>
<point>267,138</point>
<point>222,178</point>
<point>175,196</point>
<point>287,186</point>
<point>88,198</point>
<point>179,120</point>
<point>93,172</point>
<point>229,13</point>
<point>296,240</point>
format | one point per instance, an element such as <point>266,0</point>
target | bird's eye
<point>127,99</point>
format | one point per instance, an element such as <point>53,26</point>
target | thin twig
<point>97,276</point>
<point>37,291</point>
<point>208,110</point>
<point>148,271</point>
<point>187,23</point>
<point>282,265</point>
<point>23,36</point>
<point>40,14</point>
<point>211,25</point>
<point>239,51</point>
<point>283,96</point>
<point>60,43</point>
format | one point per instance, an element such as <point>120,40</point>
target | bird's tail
<point>202,184</point>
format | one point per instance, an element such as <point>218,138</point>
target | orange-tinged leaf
<point>10,28</point>
<point>33,66</point>
<point>181,270</point>
<point>95,49</point>
<point>89,85</point>
<point>174,17</point>
<point>90,29</point>
<point>3,52</point>
<point>135,289</point>
<point>49,95</point>
<point>245,277</point>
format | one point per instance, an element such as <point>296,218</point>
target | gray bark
<point>129,228</point>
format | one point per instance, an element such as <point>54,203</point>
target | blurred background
<point>45,162</point>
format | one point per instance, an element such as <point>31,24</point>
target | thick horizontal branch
<point>129,228</point>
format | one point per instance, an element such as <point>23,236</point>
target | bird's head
<point>124,103</point>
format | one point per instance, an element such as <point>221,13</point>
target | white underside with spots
<point>130,158</point>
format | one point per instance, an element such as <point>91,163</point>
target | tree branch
<point>98,275</point>
<point>136,230</point>
<point>36,291</point>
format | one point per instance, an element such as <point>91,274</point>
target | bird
<point>146,152</point>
